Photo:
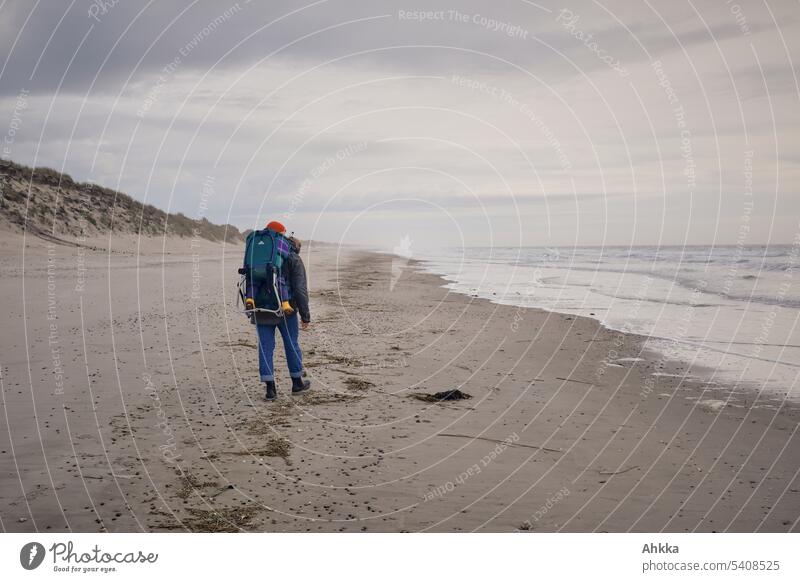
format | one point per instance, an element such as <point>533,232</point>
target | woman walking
<point>287,323</point>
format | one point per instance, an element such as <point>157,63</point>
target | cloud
<point>490,111</point>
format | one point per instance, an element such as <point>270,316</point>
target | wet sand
<point>131,402</point>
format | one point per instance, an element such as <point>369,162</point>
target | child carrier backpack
<point>263,286</point>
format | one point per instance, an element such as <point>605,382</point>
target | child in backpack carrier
<point>255,289</point>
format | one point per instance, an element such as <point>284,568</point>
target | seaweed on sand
<point>276,446</point>
<point>240,343</point>
<point>189,483</point>
<point>312,398</point>
<point>358,384</point>
<point>440,396</point>
<point>227,520</point>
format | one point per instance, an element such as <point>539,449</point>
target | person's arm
<point>299,286</point>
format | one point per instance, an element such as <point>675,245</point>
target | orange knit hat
<point>276,226</point>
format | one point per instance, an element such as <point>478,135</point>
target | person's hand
<point>304,325</point>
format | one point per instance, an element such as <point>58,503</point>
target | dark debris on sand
<point>189,484</point>
<point>276,446</point>
<point>443,396</point>
<point>227,520</point>
<point>358,384</point>
<point>313,398</point>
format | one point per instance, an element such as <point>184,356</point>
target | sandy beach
<point>131,402</point>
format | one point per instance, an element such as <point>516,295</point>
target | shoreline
<point>728,334</point>
<point>162,426</point>
<point>703,373</point>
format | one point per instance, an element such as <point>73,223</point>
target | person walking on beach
<point>286,322</point>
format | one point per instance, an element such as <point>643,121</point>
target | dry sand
<point>131,401</point>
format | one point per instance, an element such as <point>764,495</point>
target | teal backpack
<point>263,286</point>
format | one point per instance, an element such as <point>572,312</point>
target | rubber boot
<point>300,385</point>
<point>272,393</point>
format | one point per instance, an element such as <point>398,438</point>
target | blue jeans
<point>290,332</point>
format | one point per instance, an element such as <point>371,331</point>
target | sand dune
<point>51,205</point>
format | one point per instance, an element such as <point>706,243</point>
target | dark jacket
<point>295,274</point>
<point>298,282</point>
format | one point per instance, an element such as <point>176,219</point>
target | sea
<point>733,309</point>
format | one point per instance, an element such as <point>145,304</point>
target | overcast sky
<point>505,123</point>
